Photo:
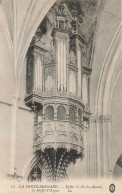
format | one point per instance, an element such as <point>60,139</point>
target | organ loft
<point>57,80</point>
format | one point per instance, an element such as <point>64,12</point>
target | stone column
<point>13,132</point>
<point>100,149</point>
<point>105,121</point>
<point>85,142</point>
<point>93,151</point>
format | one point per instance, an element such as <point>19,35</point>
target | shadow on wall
<point>117,173</point>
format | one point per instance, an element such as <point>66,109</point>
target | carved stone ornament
<point>52,53</point>
<point>15,175</point>
<point>50,71</point>
<point>72,58</point>
<point>100,119</point>
<point>46,59</point>
<point>49,129</point>
<point>61,36</point>
<point>38,130</point>
<point>37,138</point>
<point>61,128</point>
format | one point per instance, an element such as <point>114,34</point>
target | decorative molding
<point>105,118</point>
<point>25,108</point>
<point>6,103</point>
<point>100,119</point>
<point>72,67</point>
<point>50,71</point>
<point>15,176</point>
<point>60,34</point>
<point>53,94</point>
<point>87,70</point>
<point>72,58</point>
<point>55,128</point>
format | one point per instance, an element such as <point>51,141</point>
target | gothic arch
<point>107,75</point>
<point>29,166</point>
<point>104,93</point>
<point>117,172</point>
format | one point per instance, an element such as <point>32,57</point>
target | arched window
<point>35,174</point>
<point>72,116</point>
<point>49,113</point>
<point>61,113</point>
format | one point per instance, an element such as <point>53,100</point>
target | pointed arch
<point>117,173</point>
<point>107,74</point>
<point>29,166</point>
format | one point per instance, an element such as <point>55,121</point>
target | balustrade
<point>61,134</point>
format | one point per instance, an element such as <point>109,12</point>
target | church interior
<point>60,89</point>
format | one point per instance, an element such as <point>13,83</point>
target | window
<point>61,113</point>
<point>49,113</point>
<point>72,116</point>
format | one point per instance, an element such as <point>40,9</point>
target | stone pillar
<point>93,152</point>
<point>85,140</point>
<point>88,152</point>
<point>13,132</point>
<point>105,121</point>
<point>100,149</point>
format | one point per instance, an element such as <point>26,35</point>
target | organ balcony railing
<point>58,134</point>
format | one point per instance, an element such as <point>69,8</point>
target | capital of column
<point>105,118</point>
<point>100,119</point>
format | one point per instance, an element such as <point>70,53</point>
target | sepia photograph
<point>60,96</point>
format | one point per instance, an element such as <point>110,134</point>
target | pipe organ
<point>56,88</point>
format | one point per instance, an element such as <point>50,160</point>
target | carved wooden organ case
<point>58,91</point>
